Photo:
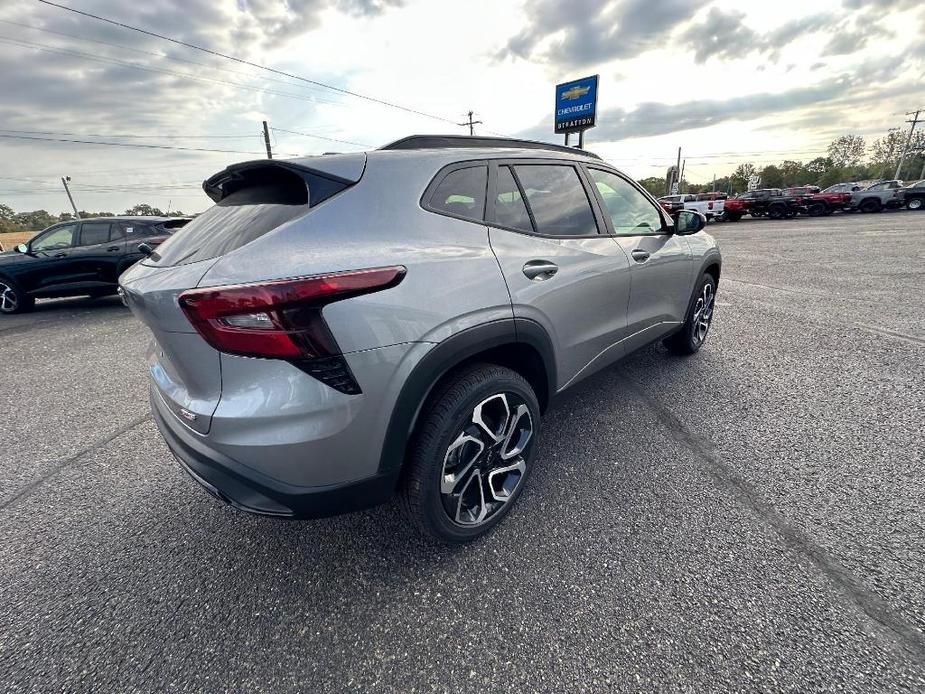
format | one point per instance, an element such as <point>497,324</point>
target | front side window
<point>94,233</point>
<point>462,193</point>
<point>62,237</point>
<point>630,211</point>
<point>557,199</point>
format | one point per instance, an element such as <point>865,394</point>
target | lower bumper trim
<point>248,490</point>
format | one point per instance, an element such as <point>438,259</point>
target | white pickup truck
<point>709,204</point>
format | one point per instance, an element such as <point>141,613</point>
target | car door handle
<point>640,256</point>
<point>540,270</point>
<point>60,255</point>
<point>113,248</point>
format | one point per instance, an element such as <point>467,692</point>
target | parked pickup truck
<point>880,196</point>
<point>734,208</point>
<point>914,195</point>
<point>816,202</point>
<point>709,207</point>
<point>772,202</point>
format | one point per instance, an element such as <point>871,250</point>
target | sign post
<point>576,107</point>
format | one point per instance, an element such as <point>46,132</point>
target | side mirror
<point>146,249</point>
<point>22,248</point>
<point>689,222</point>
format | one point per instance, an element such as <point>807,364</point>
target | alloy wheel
<point>486,462</point>
<point>703,313</point>
<point>8,299</point>
<point>915,204</point>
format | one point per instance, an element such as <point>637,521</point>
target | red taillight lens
<point>279,319</point>
<point>710,205</point>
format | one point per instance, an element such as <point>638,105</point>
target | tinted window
<point>629,210</point>
<point>61,237</point>
<point>237,220</point>
<point>557,200</point>
<point>462,193</point>
<point>510,210</point>
<point>93,233</point>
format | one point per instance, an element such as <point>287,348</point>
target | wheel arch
<point>519,344</point>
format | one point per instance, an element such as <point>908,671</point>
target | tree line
<point>848,158</point>
<point>37,220</point>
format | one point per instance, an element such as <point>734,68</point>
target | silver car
<point>341,328</point>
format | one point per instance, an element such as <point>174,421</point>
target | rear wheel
<point>777,212</point>
<point>870,205</point>
<point>699,319</point>
<point>817,209</point>
<point>915,204</point>
<point>13,299</point>
<point>731,216</point>
<point>472,453</point>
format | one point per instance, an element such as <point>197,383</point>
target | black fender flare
<point>446,355</point>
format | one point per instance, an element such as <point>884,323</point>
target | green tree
<point>793,173</point>
<point>739,178</point>
<point>847,150</point>
<point>771,177</point>
<point>653,184</point>
<point>143,210</point>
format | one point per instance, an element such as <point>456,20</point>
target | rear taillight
<point>710,205</point>
<point>282,319</point>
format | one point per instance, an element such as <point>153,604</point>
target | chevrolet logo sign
<point>575,92</point>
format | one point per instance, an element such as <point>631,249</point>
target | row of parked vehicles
<point>784,203</point>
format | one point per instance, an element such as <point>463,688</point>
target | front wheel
<point>915,204</point>
<point>13,299</point>
<point>777,212</point>
<point>693,333</point>
<point>817,209</point>
<point>870,205</point>
<point>471,454</point>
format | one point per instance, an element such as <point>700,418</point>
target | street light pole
<point>64,180</point>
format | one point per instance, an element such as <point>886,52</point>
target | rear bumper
<point>249,490</point>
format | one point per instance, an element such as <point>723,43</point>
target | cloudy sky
<point>729,82</point>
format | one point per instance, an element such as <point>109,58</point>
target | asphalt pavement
<point>748,519</point>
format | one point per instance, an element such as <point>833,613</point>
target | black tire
<point>817,209</point>
<point>777,212</point>
<point>13,299</point>
<point>449,417</point>
<point>870,205</point>
<point>690,338</point>
<point>731,217</point>
<point>915,204</point>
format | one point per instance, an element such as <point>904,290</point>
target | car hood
<point>6,256</point>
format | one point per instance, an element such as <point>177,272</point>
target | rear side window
<point>253,202</point>
<point>462,193</point>
<point>557,200</point>
<point>94,233</point>
<point>510,209</point>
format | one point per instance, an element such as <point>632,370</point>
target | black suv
<point>771,202</point>
<point>82,257</point>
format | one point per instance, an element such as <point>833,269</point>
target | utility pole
<point>266,140</point>
<point>472,123</point>
<point>681,177</point>
<point>902,156</point>
<point>922,175</point>
<point>714,183</point>
<point>64,180</point>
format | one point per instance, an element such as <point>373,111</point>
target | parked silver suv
<point>339,328</point>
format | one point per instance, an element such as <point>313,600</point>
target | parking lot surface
<point>748,519</point>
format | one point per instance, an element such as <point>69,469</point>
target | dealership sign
<point>576,105</point>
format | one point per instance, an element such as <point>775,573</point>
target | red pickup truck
<point>819,202</point>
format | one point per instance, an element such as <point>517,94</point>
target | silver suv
<point>340,328</point>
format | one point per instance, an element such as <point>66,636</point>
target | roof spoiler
<point>319,174</point>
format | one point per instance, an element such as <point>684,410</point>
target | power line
<point>320,137</point>
<point>130,144</point>
<point>206,80</point>
<point>156,54</point>
<point>248,62</point>
<point>186,137</point>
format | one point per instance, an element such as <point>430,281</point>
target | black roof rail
<point>449,141</point>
